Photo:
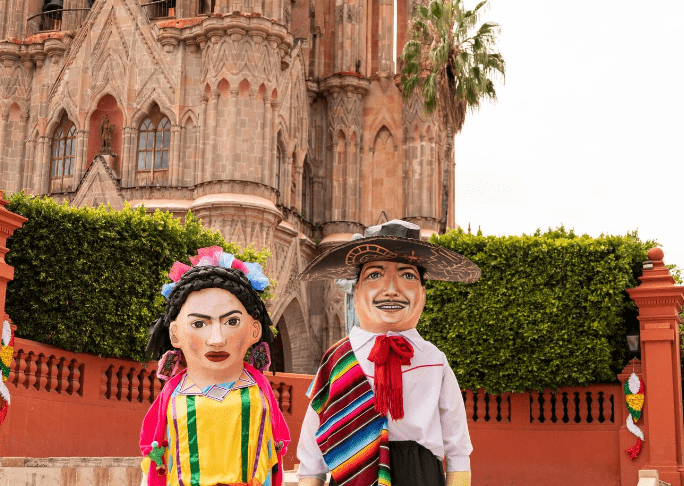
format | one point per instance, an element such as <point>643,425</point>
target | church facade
<point>277,122</point>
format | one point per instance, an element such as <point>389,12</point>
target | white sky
<point>587,131</point>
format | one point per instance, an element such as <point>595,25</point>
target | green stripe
<point>244,395</point>
<point>340,366</point>
<point>192,442</point>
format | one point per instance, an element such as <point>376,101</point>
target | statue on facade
<point>217,421</point>
<point>385,404</point>
<point>106,132</point>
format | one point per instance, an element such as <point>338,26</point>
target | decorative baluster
<point>589,401</point>
<point>135,383</point>
<point>481,406</point>
<point>534,406</point>
<point>469,404</point>
<point>104,382</point>
<point>550,402</point>
<point>488,402</point>
<point>62,375</point>
<point>145,386</point>
<point>506,407</point>
<point>52,381</point>
<point>601,410</point>
<point>287,394</point>
<point>31,367</point>
<point>15,368</point>
<point>76,378</point>
<point>580,407</point>
<point>42,372</point>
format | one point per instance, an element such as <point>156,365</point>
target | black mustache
<point>380,302</point>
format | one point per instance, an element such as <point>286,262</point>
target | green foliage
<point>89,280</point>
<point>451,60</point>
<point>550,309</point>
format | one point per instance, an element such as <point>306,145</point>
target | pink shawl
<point>154,423</point>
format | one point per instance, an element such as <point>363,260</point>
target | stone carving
<point>106,132</point>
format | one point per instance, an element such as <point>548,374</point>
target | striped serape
<point>352,436</point>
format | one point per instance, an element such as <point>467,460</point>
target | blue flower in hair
<point>256,276</point>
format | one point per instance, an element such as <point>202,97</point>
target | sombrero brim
<point>439,263</point>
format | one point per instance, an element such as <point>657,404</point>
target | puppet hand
<point>460,478</point>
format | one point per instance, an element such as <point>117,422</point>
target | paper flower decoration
<point>214,255</point>
<point>634,396</point>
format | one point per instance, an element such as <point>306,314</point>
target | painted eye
<point>197,324</point>
<point>409,276</point>
<point>233,321</point>
<point>374,275</point>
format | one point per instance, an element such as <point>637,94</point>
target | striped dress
<point>352,435</point>
<point>215,439</point>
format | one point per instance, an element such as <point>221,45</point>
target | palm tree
<point>452,64</point>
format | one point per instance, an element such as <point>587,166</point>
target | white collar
<point>216,392</point>
<point>358,337</point>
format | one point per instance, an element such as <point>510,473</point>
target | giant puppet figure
<point>215,422</point>
<point>385,405</point>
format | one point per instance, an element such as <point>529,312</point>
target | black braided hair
<point>207,277</point>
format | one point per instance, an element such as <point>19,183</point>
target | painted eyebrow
<point>202,316</point>
<point>379,267</point>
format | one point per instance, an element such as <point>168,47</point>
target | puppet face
<point>388,297</point>
<point>214,331</point>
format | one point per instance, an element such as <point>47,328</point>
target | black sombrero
<point>394,241</point>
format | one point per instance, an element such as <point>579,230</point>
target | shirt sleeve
<point>457,445</point>
<point>311,462</point>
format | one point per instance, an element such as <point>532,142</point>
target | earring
<point>260,357</point>
<point>168,364</point>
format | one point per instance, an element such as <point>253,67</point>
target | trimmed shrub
<point>89,280</point>
<point>550,309</point>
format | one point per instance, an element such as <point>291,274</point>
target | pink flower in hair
<point>207,256</point>
<point>238,265</point>
<point>177,271</point>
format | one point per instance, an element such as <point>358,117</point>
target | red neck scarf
<point>388,354</point>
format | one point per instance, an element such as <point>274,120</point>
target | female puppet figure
<point>217,421</point>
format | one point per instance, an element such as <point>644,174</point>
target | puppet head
<point>213,315</point>
<point>391,264</point>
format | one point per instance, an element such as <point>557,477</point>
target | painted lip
<point>217,356</point>
<point>391,305</point>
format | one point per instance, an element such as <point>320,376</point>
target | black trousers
<point>411,464</point>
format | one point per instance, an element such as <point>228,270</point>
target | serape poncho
<point>352,435</point>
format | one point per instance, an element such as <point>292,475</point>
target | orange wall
<point>66,404</point>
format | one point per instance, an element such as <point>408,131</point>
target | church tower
<point>277,122</point>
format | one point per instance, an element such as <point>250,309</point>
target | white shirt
<point>434,414</point>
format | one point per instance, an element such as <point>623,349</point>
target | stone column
<point>41,181</point>
<point>318,204</point>
<point>299,169</point>
<point>659,301</point>
<point>234,136</point>
<point>200,163</point>
<point>266,142</point>
<point>254,139</point>
<point>175,155</point>
<point>347,189</point>
<point>337,182</point>
<point>3,136</point>
<point>29,166</point>
<point>286,181</point>
<point>275,106</point>
<point>358,151</point>
<point>211,135</point>
<point>23,129</point>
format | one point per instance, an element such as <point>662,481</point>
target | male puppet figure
<point>385,405</point>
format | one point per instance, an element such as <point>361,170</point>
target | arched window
<point>63,150</point>
<point>154,138</point>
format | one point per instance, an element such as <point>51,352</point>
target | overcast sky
<point>588,129</point>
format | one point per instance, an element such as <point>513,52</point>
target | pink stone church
<point>277,122</point>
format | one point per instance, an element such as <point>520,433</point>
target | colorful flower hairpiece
<point>214,255</point>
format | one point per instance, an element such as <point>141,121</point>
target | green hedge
<point>89,280</point>
<point>550,309</point>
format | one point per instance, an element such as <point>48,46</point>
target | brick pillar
<point>660,301</point>
<point>9,222</point>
